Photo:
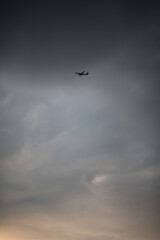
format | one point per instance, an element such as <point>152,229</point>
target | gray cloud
<point>80,156</point>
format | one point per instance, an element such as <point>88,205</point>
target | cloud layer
<point>80,156</point>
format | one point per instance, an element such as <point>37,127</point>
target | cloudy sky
<point>80,155</point>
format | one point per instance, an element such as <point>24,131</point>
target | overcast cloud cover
<point>79,156</point>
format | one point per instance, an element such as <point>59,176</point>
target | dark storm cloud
<point>43,41</point>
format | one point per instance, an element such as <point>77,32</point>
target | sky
<point>79,156</point>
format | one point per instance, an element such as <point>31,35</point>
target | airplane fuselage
<point>82,73</point>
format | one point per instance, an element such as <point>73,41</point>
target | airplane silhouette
<point>82,73</point>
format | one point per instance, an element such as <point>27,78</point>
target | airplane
<point>82,73</point>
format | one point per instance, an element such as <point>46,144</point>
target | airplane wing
<point>80,73</point>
